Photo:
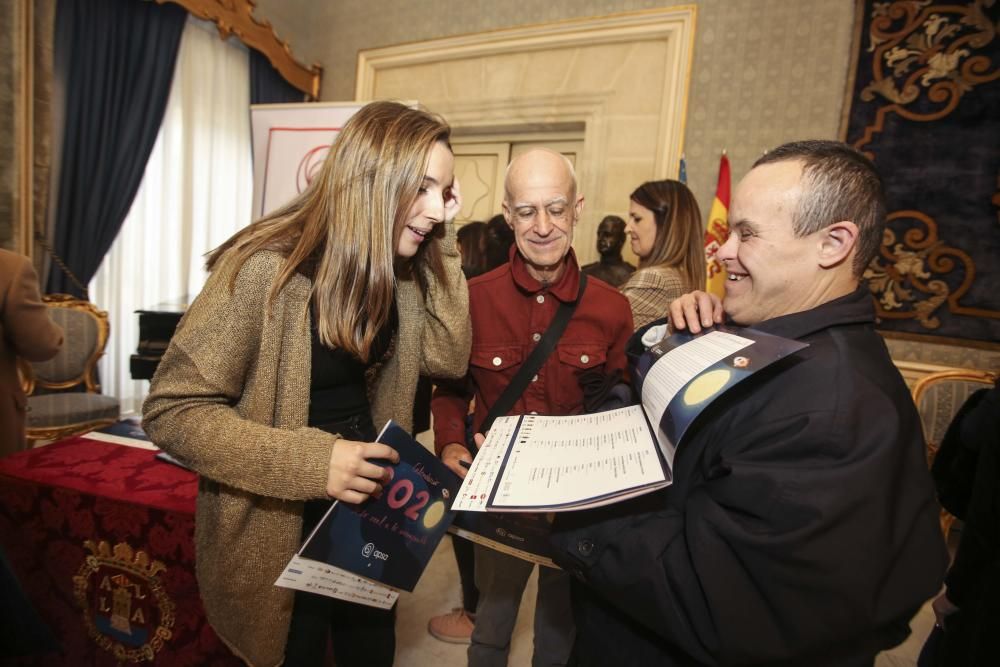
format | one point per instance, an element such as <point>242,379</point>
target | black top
<point>338,391</point>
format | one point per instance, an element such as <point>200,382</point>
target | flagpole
<point>717,231</point>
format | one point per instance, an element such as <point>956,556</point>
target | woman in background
<point>312,327</point>
<point>499,239</point>
<point>664,228</point>
<point>472,239</point>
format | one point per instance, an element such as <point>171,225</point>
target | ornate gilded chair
<point>938,397</point>
<point>58,412</point>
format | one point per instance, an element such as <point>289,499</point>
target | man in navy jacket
<point>801,527</point>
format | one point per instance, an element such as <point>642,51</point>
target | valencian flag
<point>717,232</point>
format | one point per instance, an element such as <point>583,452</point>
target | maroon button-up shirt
<point>510,311</point>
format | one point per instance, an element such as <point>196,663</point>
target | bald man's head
<point>542,206</point>
<point>544,159</point>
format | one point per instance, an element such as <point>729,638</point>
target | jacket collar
<point>858,307</point>
<point>565,289</point>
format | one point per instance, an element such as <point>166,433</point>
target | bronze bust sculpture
<point>612,269</point>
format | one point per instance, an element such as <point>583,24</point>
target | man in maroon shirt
<point>511,307</point>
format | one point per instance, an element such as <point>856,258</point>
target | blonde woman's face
<point>641,229</point>
<point>429,208</point>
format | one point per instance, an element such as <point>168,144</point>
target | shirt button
<point>585,547</point>
<point>536,337</point>
<point>534,379</point>
<point>540,298</point>
<point>584,358</point>
<point>497,361</point>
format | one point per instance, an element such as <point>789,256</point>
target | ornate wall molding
<point>235,17</point>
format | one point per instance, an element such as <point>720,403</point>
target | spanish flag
<point>717,232</point>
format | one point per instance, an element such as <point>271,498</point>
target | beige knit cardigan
<point>231,399</point>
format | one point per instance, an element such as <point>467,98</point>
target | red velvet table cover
<point>101,537</point>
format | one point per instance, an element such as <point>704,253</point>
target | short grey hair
<point>839,183</point>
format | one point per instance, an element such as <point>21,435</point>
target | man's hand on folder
<point>694,311</point>
<point>352,477</point>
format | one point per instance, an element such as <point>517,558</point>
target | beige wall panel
<point>638,88</point>
<point>547,72</point>
<point>478,185</point>
<point>479,170</point>
<point>464,80</point>
<point>633,136</point>
<point>598,66</point>
<point>505,73</point>
<point>643,85</point>
<point>427,82</point>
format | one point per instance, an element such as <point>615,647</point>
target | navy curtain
<point>121,56</point>
<point>267,86</point>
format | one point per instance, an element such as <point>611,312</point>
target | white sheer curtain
<point>197,191</point>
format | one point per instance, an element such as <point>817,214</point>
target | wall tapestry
<point>925,106</point>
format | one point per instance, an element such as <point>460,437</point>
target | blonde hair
<point>679,241</point>
<point>343,230</point>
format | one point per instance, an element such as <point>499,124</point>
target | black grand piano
<point>156,327</point>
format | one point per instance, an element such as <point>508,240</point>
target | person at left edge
<point>315,321</point>
<point>26,330</point>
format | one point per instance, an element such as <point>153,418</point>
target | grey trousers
<point>501,580</point>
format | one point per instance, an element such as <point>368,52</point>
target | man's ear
<point>837,243</point>
<point>578,209</point>
<point>506,213</point>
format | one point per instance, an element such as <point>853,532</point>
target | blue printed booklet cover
<point>390,539</point>
<point>537,463</point>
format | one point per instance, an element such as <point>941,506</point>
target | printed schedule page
<point>485,468</point>
<point>557,461</point>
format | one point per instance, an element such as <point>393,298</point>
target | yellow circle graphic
<point>433,515</point>
<point>706,386</point>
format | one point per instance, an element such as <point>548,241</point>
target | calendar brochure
<point>537,463</point>
<point>367,553</point>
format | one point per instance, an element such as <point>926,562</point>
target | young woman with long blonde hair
<point>313,327</point>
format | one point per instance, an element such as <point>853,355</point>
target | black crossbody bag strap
<point>534,361</point>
